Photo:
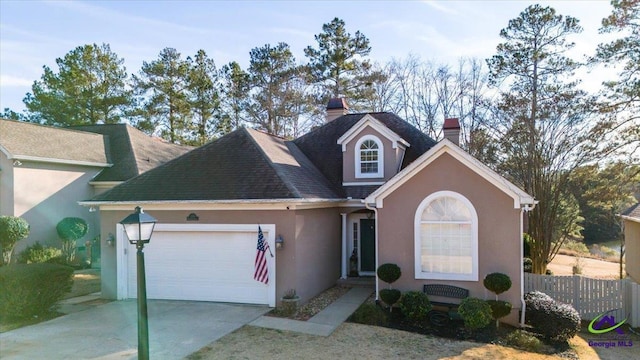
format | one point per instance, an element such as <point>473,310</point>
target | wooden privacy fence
<point>590,297</point>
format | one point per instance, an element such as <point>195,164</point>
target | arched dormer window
<point>369,157</point>
<point>446,238</point>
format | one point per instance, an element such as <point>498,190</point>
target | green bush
<point>497,282</point>
<point>390,296</point>
<point>32,289</point>
<point>415,305</point>
<point>37,253</point>
<point>389,272</point>
<point>524,340</point>
<point>551,319</point>
<point>70,229</point>
<point>499,308</point>
<point>576,246</point>
<point>12,230</point>
<point>369,314</point>
<point>527,265</point>
<point>475,312</point>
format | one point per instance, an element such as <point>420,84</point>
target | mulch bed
<point>455,330</point>
<point>314,305</point>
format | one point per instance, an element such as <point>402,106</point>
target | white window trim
<point>419,274</point>
<point>380,173</point>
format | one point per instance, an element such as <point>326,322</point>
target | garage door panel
<point>201,265</point>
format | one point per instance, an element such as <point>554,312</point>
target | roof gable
<point>321,146</point>
<point>370,121</point>
<point>632,213</point>
<point>131,151</point>
<point>33,142</point>
<point>520,198</point>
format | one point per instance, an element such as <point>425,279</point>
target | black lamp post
<point>139,227</point>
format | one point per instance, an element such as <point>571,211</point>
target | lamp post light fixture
<point>139,227</point>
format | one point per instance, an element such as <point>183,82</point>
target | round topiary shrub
<point>527,265</point>
<point>12,230</point>
<point>499,308</point>
<point>475,312</point>
<point>390,296</point>
<point>497,282</point>
<point>415,306</point>
<point>389,272</point>
<point>551,319</point>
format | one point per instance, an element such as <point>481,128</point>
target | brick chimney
<point>451,130</point>
<point>336,108</point>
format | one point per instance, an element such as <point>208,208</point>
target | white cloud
<point>439,5</point>
<point>14,81</point>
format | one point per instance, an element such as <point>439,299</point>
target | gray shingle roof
<point>250,165</point>
<point>28,140</point>
<point>131,151</point>
<point>632,212</point>
<point>243,165</point>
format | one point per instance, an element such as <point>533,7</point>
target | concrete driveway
<point>109,331</point>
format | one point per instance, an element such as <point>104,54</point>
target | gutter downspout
<point>375,212</point>
<point>525,208</point>
<point>522,303</point>
<point>344,246</point>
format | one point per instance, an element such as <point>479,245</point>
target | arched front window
<point>446,238</point>
<point>369,157</point>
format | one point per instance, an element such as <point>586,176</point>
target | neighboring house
<point>367,184</point>
<point>45,171</point>
<point>631,218</point>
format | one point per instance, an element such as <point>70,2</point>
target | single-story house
<point>359,191</point>
<point>45,171</point>
<point>631,218</point>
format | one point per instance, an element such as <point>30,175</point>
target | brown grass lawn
<point>563,265</point>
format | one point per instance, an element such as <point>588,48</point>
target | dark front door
<point>367,245</point>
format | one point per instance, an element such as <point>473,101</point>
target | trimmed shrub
<point>369,314</point>
<point>390,296</point>
<point>524,340</point>
<point>475,312</point>
<point>499,308</point>
<point>12,230</point>
<point>415,306</point>
<point>497,282</point>
<point>70,229</point>
<point>527,265</point>
<point>389,272</point>
<point>32,289</point>
<point>551,319</point>
<point>36,253</point>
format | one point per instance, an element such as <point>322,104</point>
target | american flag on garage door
<point>261,269</point>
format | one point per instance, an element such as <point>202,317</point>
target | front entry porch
<point>358,244</point>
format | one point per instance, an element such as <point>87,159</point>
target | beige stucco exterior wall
<point>318,251</point>
<point>499,238</point>
<point>632,251</point>
<point>391,158</point>
<point>6,185</point>
<point>309,261</point>
<point>45,193</point>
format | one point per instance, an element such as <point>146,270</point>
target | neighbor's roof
<point>632,213</point>
<point>321,147</point>
<point>33,142</point>
<point>131,151</point>
<point>243,165</point>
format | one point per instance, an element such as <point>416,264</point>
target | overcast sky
<point>35,33</point>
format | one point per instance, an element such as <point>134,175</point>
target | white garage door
<point>202,262</point>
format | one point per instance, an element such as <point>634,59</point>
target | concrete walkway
<point>323,323</point>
